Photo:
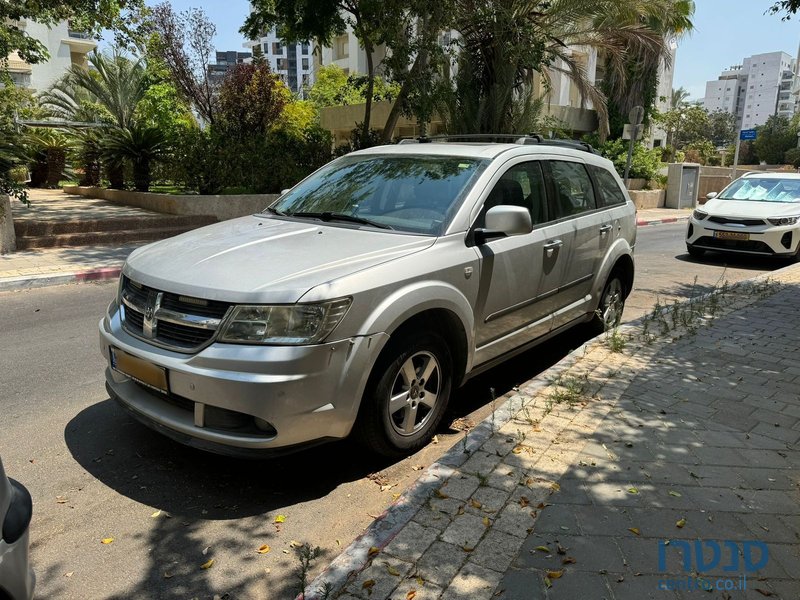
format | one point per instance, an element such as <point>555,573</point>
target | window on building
<point>277,48</point>
<point>305,64</point>
<point>265,48</point>
<point>305,48</point>
<point>282,64</point>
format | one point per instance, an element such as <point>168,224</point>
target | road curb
<point>645,223</point>
<point>10,284</point>
<point>389,523</point>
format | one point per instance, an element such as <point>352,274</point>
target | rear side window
<point>608,190</point>
<point>573,189</point>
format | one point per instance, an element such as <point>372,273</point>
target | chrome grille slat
<point>171,323</point>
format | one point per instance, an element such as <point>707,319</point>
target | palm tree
<point>139,144</point>
<point>509,42</point>
<point>678,97</point>
<point>108,93</point>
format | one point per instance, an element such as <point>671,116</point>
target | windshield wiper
<point>333,216</point>
<point>275,211</point>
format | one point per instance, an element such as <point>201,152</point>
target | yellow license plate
<point>731,235</point>
<point>139,370</point>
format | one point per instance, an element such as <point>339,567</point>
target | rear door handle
<point>605,229</point>
<point>551,246</point>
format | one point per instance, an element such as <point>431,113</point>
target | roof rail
<point>511,138</point>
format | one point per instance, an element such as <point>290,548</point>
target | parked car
<point>363,296</point>
<point>757,214</point>
<point>16,576</point>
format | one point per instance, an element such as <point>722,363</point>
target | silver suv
<point>362,297</point>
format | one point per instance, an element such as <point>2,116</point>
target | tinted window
<point>574,193</point>
<point>408,193</point>
<point>609,192</point>
<point>521,185</point>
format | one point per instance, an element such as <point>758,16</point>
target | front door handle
<point>551,247</point>
<point>605,229</point>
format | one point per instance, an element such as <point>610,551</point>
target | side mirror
<point>711,195</point>
<point>286,191</point>
<point>504,221</point>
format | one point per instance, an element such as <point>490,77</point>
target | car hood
<point>264,260</point>
<point>750,209</point>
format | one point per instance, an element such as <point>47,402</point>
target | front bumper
<point>246,400</point>
<point>764,240</point>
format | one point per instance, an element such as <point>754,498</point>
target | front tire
<point>406,395</point>
<point>695,252</point>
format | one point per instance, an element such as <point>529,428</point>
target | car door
<point>578,230</point>
<point>516,272</point>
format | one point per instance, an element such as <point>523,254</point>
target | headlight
<point>783,220</point>
<point>289,324</point>
<point>699,214</point>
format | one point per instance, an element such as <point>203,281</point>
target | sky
<point>725,32</point>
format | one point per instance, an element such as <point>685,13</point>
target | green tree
<point>788,7</point>
<point>678,97</point>
<point>504,43</point>
<point>250,100</point>
<point>299,20</point>
<point>722,127</point>
<point>334,87</point>
<point>773,139</point>
<point>121,16</point>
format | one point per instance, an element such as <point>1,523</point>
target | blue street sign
<point>747,134</point>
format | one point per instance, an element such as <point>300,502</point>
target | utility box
<point>683,182</point>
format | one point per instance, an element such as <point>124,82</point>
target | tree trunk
<point>368,48</point>
<point>116,176</point>
<point>56,160</point>
<point>141,175</point>
<point>397,108</point>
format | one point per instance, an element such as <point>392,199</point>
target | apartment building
<point>762,86</point>
<point>293,63</point>
<point>225,61</point>
<point>65,46</point>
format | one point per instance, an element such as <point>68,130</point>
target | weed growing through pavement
<point>567,389</point>
<point>491,393</point>
<point>701,309</point>
<point>483,480</point>
<point>307,555</point>
<point>615,341</point>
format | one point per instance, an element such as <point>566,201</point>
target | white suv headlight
<point>284,324</point>
<point>783,220</point>
<point>699,214</point>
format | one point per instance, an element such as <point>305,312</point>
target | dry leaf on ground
<point>207,564</point>
<point>263,549</point>
<point>280,519</point>
<point>108,540</point>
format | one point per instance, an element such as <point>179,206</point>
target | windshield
<point>416,194</point>
<point>763,189</point>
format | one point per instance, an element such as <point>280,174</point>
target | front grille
<point>742,245</point>
<point>734,221</point>
<point>177,322</point>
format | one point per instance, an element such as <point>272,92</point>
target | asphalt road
<point>95,474</point>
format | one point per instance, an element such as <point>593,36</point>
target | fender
<point>415,298</point>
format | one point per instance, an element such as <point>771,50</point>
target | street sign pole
<point>744,134</point>
<point>736,156</point>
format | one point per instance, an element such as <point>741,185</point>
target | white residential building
<point>755,90</point>
<point>65,46</point>
<point>293,63</point>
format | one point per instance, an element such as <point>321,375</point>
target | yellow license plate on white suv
<point>139,370</point>
<point>732,235</point>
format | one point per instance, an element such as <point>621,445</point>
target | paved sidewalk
<point>54,266</point>
<point>572,489</point>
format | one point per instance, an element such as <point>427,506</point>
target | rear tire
<point>406,395</point>
<point>612,303</point>
<point>695,252</point>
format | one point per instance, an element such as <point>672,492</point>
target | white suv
<point>365,294</point>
